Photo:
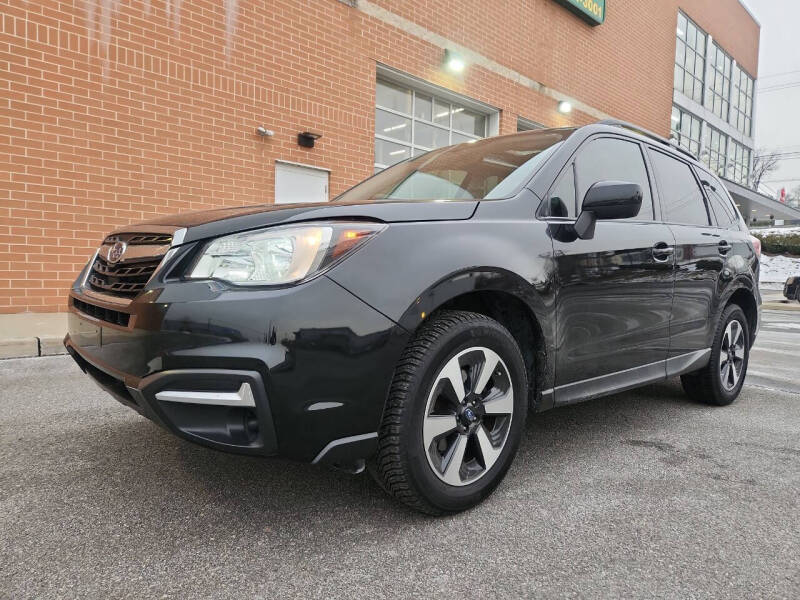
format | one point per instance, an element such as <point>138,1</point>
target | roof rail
<point>648,134</point>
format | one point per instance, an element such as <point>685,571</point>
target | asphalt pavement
<point>642,494</point>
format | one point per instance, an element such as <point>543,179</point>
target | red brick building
<point>113,112</point>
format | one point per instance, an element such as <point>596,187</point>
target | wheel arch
<point>509,300</point>
<point>744,297</point>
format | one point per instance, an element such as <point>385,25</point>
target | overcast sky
<point>777,119</point>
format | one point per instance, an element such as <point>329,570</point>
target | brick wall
<point>113,112</point>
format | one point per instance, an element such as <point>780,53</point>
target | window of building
<point>607,159</point>
<point>681,198</point>
<point>690,63</point>
<point>742,101</point>
<point>524,124</point>
<point>738,162</point>
<point>716,150</point>
<point>685,130</point>
<point>719,82</point>
<point>409,122</point>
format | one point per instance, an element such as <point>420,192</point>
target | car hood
<point>221,221</point>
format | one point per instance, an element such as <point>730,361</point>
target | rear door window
<point>681,198</point>
<point>613,159</point>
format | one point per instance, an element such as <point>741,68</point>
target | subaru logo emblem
<point>116,252</point>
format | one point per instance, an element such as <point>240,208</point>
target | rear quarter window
<point>682,200</point>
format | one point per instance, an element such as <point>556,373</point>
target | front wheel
<point>455,414</point>
<point>720,382</point>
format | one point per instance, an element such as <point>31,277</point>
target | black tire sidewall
<point>721,395</point>
<point>442,496</point>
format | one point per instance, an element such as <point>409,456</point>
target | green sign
<point>594,11</point>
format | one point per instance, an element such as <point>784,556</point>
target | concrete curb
<point>32,347</point>
<point>781,305</point>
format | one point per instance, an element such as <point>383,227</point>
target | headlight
<point>280,255</point>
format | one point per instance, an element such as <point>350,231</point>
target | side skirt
<point>628,379</point>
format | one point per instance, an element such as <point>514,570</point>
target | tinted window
<point>721,205</point>
<point>561,201</point>
<point>681,198</point>
<point>610,159</point>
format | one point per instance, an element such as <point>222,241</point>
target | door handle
<point>724,247</point>
<point>663,251</point>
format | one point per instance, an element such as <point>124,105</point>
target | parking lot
<point>643,493</point>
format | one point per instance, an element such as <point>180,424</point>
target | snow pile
<point>775,270</point>
<point>775,230</point>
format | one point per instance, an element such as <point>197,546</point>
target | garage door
<point>299,183</point>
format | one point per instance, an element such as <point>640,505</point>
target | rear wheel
<point>720,382</point>
<point>455,414</point>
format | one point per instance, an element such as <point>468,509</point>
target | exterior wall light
<point>453,62</point>
<point>564,107</point>
<point>306,139</point>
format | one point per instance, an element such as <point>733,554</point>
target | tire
<point>457,469</point>
<point>716,384</point>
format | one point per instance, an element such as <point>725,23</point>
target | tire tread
<point>390,464</point>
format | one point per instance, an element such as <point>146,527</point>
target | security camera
<point>264,132</point>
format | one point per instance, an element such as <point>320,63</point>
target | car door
<point>700,250</point>
<point>614,290</point>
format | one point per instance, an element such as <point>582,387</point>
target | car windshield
<point>487,169</point>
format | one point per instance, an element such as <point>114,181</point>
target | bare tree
<point>763,163</point>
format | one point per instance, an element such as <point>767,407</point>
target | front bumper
<point>302,372</point>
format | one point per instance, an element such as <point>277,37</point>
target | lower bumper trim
<point>343,446</point>
<point>242,397</point>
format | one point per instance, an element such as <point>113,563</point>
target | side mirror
<point>608,200</point>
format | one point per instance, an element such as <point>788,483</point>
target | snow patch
<point>776,230</point>
<point>776,269</point>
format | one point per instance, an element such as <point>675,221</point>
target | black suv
<point>411,324</point>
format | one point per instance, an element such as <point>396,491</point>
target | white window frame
<point>440,94</point>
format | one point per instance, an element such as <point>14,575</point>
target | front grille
<point>104,314</point>
<point>142,253</point>
<point>121,279</point>
<point>156,239</point>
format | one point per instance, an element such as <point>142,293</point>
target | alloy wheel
<point>468,416</point>
<point>732,355</point>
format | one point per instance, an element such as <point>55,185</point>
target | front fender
<point>411,269</point>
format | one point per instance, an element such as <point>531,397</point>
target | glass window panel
<point>691,35</point>
<point>487,163</point>
<point>460,137</point>
<point>469,121</point>
<point>680,53</point>
<point>393,97</point>
<point>441,113</point>
<point>430,136</point>
<point>617,160</point>
<point>392,125</point>
<point>389,153</point>
<point>423,107</point>
<point>561,201</point>
<point>681,198</point>
<point>688,86</point>
<point>681,26</point>
<point>699,66</point>
<point>416,119</point>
